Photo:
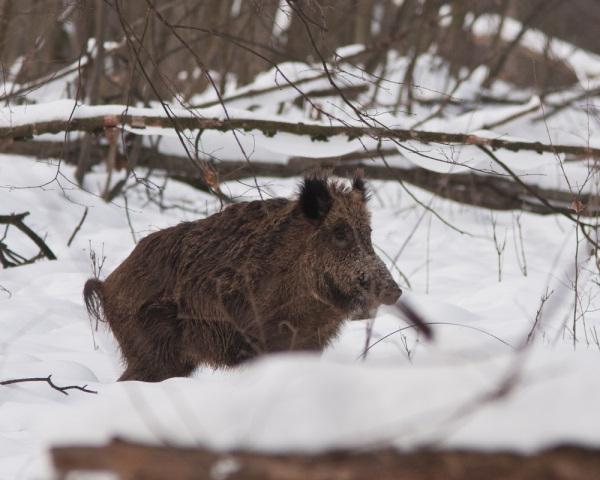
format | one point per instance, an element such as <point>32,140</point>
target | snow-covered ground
<point>407,391</point>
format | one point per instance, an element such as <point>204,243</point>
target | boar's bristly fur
<point>257,277</point>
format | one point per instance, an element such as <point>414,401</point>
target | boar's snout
<point>390,294</point>
<point>382,286</point>
<point>389,291</point>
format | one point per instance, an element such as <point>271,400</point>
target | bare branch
<point>48,380</point>
<point>16,220</point>
<point>317,132</point>
<point>78,227</point>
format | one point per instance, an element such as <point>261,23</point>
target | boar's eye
<point>342,236</point>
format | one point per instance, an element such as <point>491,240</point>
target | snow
<point>256,145</point>
<point>481,118</point>
<point>286,143</point>
<point>349,50</point>
<point>407,392</point>
<point>586,65</point>
<point>283,83</point>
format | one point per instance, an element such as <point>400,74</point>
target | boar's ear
<point>359,186</point>
<point>315,198</point>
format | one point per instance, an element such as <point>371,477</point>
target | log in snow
<point>19,123</point>
<point>130,460</point>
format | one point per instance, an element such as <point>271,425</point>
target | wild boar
<point>257,277</point>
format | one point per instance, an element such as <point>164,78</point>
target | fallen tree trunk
<point>486,191</point>
<point>133,461</point>
<point>317,132</point>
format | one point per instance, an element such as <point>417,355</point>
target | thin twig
<point>16,220</point>
<point>78,227</point>
<point>470,327</point>
<point>49,381</point>
<point>129,217</point>
<point>538,315</point>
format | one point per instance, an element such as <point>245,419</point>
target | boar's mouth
<point>341,299</point>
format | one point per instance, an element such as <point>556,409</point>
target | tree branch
<point>487,191</point>
<point>49,381</point>
<point>16,220</point>
<point>78,227</point>
<point>317,132</point>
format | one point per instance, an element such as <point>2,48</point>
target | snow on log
<point>24,122</point>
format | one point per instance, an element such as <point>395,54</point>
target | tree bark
<point>317,132</point>
<point>135,461</point>
<point>486,191</point>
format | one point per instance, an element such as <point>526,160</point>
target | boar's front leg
<point>220,318</point>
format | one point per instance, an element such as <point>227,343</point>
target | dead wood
<point>317,132</point>
<point>487,191</point>
<point>64,390</point>
<point>9,258</point>
<point>133,461</point>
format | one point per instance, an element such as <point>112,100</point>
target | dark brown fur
<point>263,276</point>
